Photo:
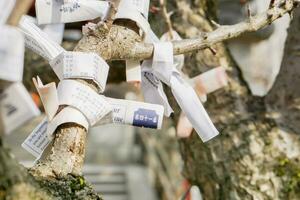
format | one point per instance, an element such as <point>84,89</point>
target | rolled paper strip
<point>81,65</point>
<point>83,98</point>
<point>48,95</point>
<point>38,41</point>
<point>184,126</point>
<point>6,7</point>
<point>210,81</point>
<point>11,54</point>
<point>67,115</point>
<point>38,140</point>
<point>135,113</point>
<point>179,59</point>
<point>53,11</point>
<point>17,107</point>
<point>128,11</point>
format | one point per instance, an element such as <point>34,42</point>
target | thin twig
<point>166,17</point>
<point>114,4</point>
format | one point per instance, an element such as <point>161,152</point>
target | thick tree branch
<point>21,8</point>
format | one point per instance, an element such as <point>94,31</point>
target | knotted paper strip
<point>11,54</point>
<point>184,94</point>
<point>81,65</point>
<point>53,11</point>
<point>17,107</point>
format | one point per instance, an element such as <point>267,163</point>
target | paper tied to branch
<point>11,54</point>
<point>174,36</point>
<point>58,11</point>
<point>6,7</point>
<point>38,41</point>
<point>86,100</point>
<point>17,107</point>
<point>134,113</point>
<point>137,11</point>
<point>81,65</point>
<point>184,94</point>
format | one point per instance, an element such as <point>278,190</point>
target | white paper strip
<point>184,94</point>
<point>210,81</point>
<point>133,71</point>
<point>152,89</point>
<point>53,11</point>
<point>6,7</point>
<point>17,107</point>
<point>67,115</point>
<point>38,41</point>
<point>48,95</point>
<point>135,113</point>
<point>55,31</point>
<point>11,54</point>
<point>142,6</point>
<point>179,59</point>
<point>81,65</point>
<point>85,99</point>
<point>38,140</point>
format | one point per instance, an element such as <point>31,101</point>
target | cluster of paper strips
<point>86,107</point>
<point>16,104</point>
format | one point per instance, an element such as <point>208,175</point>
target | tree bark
<point>257,153</point>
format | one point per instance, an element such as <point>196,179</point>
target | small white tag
<point>53,11</point>
<point>11,54</point>
<point>37,40</point>
<point>48,95</point>
<point>85,99</point>
<point>17,107</point>
<point>81,65</point>
<point>135,113</point>
<point>6,7</point>
<point>38,140</point>
<point>133,71</point>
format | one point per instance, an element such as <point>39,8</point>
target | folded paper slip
<point>17,107</point>
<point>11,54</point>
<point>38,41</point>
<point>81,65</point>
<point>186,97</point>
<point>53,11</point>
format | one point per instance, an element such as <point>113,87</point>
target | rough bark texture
<point>256,155</point>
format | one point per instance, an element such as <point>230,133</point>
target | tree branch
<point>144,51</point>
<point>21,8</point>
